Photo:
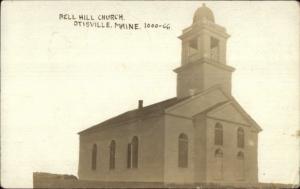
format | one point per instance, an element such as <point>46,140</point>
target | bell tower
<point>203,56</point>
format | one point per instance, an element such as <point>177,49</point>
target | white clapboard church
<point>202,135</point>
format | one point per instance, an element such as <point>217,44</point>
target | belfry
<point>203,62</point>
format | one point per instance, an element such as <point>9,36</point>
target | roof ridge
<point>134,113</point>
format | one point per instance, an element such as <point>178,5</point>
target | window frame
<point>218,134</point>
<point>240,138</point>
<point>94,157</point>
<point>183,150</point>
<point>112,155</point>
<point>135,152</point>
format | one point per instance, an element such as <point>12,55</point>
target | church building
<point>202,135</point>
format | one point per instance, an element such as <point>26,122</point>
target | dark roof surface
<point>153,109</point>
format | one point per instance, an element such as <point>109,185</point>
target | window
<point>240,155</point>
<point>240,138</point>
<point>218,174</point>
<point>112,154</point>
<point>193,46</point>
<point>219,153</point>
<point>218,134</point>
<point>129,155</point>
<point>214,49</point>
<point>133,153</point>
<point>193,43</point>
<point>183,151</point>
<point>94,157</point>
<point>240,172</point>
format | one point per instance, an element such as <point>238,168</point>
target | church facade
<point>202,135</point>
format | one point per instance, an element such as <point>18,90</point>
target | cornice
<point>204,61</point>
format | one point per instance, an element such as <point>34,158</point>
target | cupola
<point>203,13</point>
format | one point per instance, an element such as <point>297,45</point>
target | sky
<point>58,79</point>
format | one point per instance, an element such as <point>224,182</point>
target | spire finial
<point>203,5</point>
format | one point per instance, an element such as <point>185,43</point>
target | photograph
<point>150,94</point>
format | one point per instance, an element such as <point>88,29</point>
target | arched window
<point>240,138</point>
<point>183,151</point>
<point>133,153</point>
<point>112,154</point>
<point>240,172</point>
<point>218,169</point>
<point>94,157</point>
<point>218,134</point>
<point>219,153</point>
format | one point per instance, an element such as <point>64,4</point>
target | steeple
<point>203,57</point>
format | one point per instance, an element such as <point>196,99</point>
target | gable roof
<point>244,113</point>
<point>153,109</point>
<point>229,112</point>
<point>200,102</point>
<point>171,104</point>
